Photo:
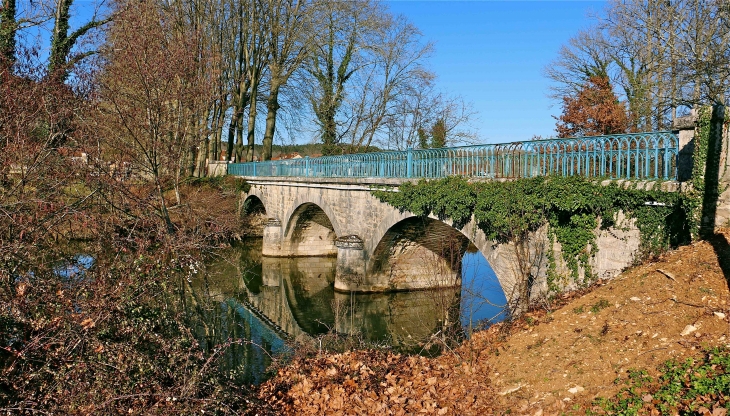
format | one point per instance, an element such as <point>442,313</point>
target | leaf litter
<point>551,361</point>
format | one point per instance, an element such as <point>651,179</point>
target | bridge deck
<point>644,156</point>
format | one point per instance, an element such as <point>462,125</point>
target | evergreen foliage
<point>700,158</point>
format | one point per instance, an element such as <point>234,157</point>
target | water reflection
<point>483,302</point>
<point>305,292</point>
<point>263,300</point>
<point>402,319</point>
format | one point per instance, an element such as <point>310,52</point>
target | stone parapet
<point>217,169</point>
<point>685,129</point>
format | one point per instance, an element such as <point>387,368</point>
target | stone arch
<point>255,191</point>
<point>320,203</point>
<point>253,205</point>
<point>253,215</point>
<point>419,253</point>
<point>309,232</point>
<point>498,260</point>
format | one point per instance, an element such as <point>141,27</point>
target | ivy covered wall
<point>572,208</point>
<point>710,180</point>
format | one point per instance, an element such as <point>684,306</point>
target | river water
<point>255,305</point>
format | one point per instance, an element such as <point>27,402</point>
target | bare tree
<point>392,70</point>
<point>334,59</point>
<point>63,39</point>
<point>256,56</point>
<point>152,90</point>
<point>665,56</point>
<point>16,18</point>
<point>583,57</point>
<point>430,118</point>
<point>8,30</point>
<point>289,31</point>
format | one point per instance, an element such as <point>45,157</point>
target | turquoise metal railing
<point>621,156</point>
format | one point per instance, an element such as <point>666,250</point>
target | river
<point>257,305</point>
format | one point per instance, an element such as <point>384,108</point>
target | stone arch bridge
<point>379,248</point>
<point>324,206</point>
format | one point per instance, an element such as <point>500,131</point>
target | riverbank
<point>119,337</point>
<point>559,361</point>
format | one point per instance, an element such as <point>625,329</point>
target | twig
<point>128,396</point>
<point>666,273</point>
<point>655,349</point>
<point>694,305</point>
<point>23,409</point>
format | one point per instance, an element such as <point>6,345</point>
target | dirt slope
<point>552,362</point>
<point>670,308</point>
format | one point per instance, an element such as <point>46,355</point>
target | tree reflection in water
<point>263,300</point>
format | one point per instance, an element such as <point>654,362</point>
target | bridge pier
<point>271,271</point>
<point>272,238</point>
<point>351,270</point>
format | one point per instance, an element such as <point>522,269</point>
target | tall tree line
<point>663,56</point>
<point>347,74</point>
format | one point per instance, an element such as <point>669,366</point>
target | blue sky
<point>492,54</point>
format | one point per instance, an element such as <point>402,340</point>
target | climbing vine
<point>700,191</point>
<point>699,163</point>
<point>573,207</point>
<point>701,143</point>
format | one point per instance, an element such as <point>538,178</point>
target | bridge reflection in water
<point>263,300</point>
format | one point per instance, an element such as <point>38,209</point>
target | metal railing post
<point>409,163</point>
<point>306,166</point>
<point>254,168</point>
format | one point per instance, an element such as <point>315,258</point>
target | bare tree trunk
<point>230,153</point>
<point>218,119</point>
<point>239,138</point>
<point>250,139</point>
<point>272,106</point>
<point>163,206</point>
<point>200,164</point>
<point>62,41</point>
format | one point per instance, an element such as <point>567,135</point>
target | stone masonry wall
<point>359,222</point>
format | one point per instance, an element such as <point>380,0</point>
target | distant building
<point>285,156</point>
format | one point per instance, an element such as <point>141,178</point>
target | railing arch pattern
<point>649,156</point>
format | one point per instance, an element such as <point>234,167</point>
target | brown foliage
<point>594,110</point>
<point>115,338</point>
<point>548,361</point>
<point>34,173</point>
<point>382,383</point>
<point>154,92</point>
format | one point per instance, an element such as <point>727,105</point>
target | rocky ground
<point>550,362</point>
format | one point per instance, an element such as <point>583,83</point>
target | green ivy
<point>699,163</point>
<point>572,207</point>
<point>701,141</point>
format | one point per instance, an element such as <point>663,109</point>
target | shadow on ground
<point>722,250</point>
